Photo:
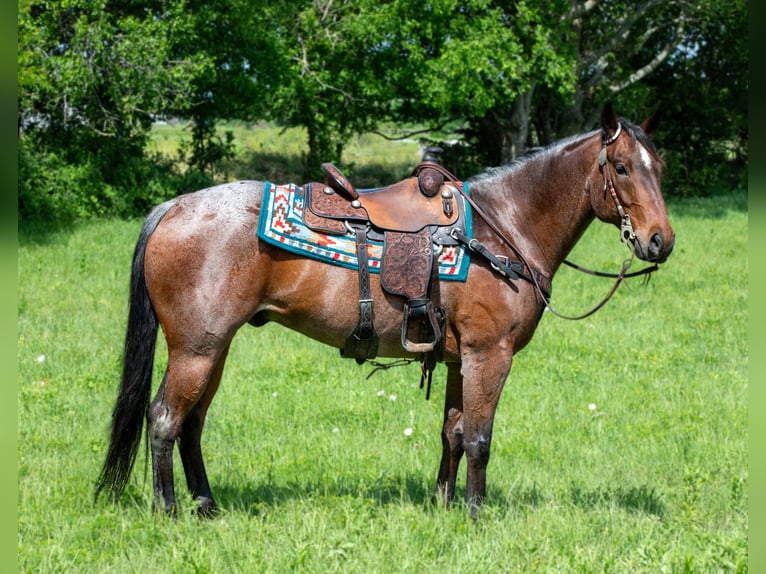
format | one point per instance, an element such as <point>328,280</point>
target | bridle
<point>626,229</point>
<point>627,236</point>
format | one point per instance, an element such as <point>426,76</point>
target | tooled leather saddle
<point>413,218</point>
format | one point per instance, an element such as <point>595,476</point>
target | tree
<point>101,68</point>
<point>514,74</point>
<point>237,37</point>
<point>92,75</point>
<point>619,44</point>
<point>702,91</point>
<point>475,61</point>
<point>502,75</point>
<point>327,84</point>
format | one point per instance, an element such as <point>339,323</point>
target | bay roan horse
<point>200,272</point>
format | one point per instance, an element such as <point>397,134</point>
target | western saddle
<point>413,218</point>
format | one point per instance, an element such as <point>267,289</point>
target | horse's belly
<point>322,302</point>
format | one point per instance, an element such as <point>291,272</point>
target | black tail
<point>138,362</point>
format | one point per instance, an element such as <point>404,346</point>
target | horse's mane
<point>535,153</point>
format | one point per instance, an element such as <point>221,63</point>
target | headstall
<point>626,229</point>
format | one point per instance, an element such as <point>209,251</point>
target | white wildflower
<point>594,411</point>
<point>408,431</point>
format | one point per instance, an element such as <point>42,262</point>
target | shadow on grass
<point>257,498</point>
<point>642,499</point>
<point>412,489</point>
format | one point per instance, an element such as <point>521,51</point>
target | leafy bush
<point>688,174</point>
<point>114,181</point>
<point>52,189</point>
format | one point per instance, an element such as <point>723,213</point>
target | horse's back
<point>208,274</point>
<point>221,206</point>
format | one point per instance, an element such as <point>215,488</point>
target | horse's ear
<point>651,124</point>
<point>609,119</point>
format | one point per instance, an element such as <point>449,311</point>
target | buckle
<point>505,260</point>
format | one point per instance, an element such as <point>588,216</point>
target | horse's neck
<point>543,205</point>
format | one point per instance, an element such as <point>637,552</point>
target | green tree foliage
<point>497,75</point>
<point>687,59</point>
<point>92,75</point>
<point>245,63</point>
<point>326,82</point>
<point>515,74</point>
<point>474,62</point>
<point>618,44</point>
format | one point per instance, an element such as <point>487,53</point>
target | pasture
<point>619,443</point>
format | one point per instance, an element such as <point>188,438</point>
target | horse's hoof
<point>206,507</point>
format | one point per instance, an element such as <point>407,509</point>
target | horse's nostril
<point>656,244</point>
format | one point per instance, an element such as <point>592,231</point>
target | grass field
<point>311,463</point>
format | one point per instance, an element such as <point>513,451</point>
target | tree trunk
<point>323,147</point>
<point>519,125</point>
<point>502,134</point>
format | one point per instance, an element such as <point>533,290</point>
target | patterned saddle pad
<point>281,224</point>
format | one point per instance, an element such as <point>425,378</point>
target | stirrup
<point>423,309</point>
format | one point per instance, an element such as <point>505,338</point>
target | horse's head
<point>627,190</point>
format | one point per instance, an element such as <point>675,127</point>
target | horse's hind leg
<point>452,436</point>
<point>189,377</point>
<point>189,444</point>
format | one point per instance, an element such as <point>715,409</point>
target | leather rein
<point>539,280</point>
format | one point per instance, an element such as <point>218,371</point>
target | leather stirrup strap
<point>362,343</point>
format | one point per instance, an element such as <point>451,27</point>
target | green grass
<point>315,473</point>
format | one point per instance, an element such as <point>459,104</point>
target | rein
<point>627,236</point>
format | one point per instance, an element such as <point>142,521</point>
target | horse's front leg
<point>484,375</point>
<point>452,436</point>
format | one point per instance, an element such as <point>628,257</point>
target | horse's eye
<point>620,169</point>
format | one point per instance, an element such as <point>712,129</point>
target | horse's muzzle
<point>658,249</point>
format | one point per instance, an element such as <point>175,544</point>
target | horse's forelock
<point>636,133</point>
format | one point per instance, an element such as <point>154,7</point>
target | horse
<point>200,272</point>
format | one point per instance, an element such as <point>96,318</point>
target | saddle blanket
<point>281,224</point>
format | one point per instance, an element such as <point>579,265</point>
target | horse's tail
<point>138,362</point>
